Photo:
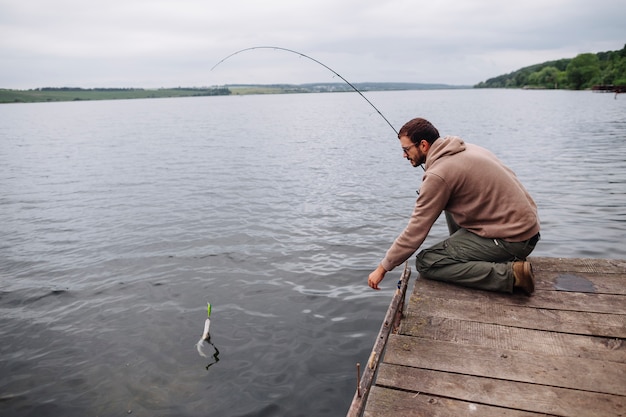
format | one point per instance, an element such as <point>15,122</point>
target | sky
<point>172,43</point>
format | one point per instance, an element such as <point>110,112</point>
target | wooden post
<point>391,321</point>
<point>358,380</point>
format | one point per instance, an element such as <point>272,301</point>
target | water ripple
<point>121,220</point>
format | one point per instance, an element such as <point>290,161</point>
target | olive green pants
<point>473,261</point>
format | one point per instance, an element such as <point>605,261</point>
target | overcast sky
<point>169,43</point>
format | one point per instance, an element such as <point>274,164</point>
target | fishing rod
<point>317,62</point>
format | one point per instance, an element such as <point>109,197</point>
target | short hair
<point>419,129</point>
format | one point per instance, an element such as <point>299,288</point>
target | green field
<point>77,94</point>
<point>51,94</point>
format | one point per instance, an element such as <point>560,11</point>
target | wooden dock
<point>464,352</point>
<point>617,89</point>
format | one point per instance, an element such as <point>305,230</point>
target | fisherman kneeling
<point>497,218</point>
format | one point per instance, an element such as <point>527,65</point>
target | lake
<point>121,220</point>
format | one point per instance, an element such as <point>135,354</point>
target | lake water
<point>120,220</point>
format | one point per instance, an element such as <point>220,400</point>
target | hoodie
<point>476,188</point>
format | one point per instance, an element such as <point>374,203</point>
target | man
<point>498,221</point>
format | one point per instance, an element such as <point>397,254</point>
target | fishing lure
<point>317,62</point>
<point>205,333</point>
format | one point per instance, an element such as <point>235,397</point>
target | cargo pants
<point>473,261</point>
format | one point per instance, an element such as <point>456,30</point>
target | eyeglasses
<point>407,148</point>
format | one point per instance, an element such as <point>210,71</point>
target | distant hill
<point>392,86</point>
<point>334,87</point>
<point>582,72</point>
<point>49,94</point>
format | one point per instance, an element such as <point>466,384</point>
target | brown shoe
<point>524,277</point>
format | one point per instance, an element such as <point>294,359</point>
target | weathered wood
<point>474,333</point>
<point>514,365</point>
<point>394,313</point>
<point>565,300</point>
<point>502,393</point>
<point>560,352</point>
<point>392,402</point>
<point>600,283</point>
<point>576,322</point>
<point>579,265</point>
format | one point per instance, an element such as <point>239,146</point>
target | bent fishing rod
<point>451,224</point>
<point>317,62</point>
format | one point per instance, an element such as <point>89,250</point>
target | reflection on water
<point>215,355</point>
<point>120,218</point>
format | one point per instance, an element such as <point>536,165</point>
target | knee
<point>421,264</point>
<point>433,258</point>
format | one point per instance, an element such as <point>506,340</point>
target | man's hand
<point>376,276</point>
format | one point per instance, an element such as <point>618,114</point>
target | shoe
<point>524,277</point>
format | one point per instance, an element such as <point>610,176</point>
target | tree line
<point>579,73</point>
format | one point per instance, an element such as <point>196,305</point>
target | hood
<point>443,147</point>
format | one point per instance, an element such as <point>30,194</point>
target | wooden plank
<point>572,301</point>
<point>395,403</point>
<point>507,394</point>
<point>365,383</point>
<point>582,282</point>
<point>575,322</point>
<point>514,365</point>
<point>579,265</point>
<point>461,351</point>
<point>505,337</point>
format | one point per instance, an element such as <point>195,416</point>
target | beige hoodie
<point>482,194</point>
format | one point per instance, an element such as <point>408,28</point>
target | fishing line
<point>451,224</point>
<point>317,62</point>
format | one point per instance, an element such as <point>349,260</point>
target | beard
<point>419,160</point>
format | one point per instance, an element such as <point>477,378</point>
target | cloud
<point>121,43</point>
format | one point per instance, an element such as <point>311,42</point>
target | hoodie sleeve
<point>433,198</point>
